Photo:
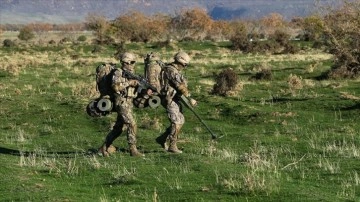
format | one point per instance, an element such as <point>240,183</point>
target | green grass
<point>279,141</point>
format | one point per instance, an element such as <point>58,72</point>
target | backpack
<point>152,71</point>
<point>153,67</point>
<point>104,74</point>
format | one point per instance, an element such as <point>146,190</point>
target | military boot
<point>173,148</point>
<point>175,130</point>
<point>135,152</point>
<point>103,150</point>
<point>106,151</point>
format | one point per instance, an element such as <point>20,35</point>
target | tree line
<point>336,30</point>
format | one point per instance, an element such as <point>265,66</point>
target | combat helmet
<point>127,58</point>
<point>182,58</point>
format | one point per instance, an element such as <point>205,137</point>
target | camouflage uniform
<point>153,69</point>
<point>152,75</point>
<point>122,96</point>
<point>174,85</point>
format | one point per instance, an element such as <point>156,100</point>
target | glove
<point>133,83</point>
<point>149,92</point>
<point>183,89</point>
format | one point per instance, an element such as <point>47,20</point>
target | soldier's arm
<point>119,83</point>
<point>182,87</point>
<point>180,83</point>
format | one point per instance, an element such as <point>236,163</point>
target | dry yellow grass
<point>226,59</point>
<point>347,95</point>
<point>295,82</point>
<point>42,38</point>
<point>14,63</point>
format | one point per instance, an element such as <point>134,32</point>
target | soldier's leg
<point>115,132</point>
<point>175,130</point>
<point>177,120</point>
<point>131,137</point>
<point>112,135</point>
<point>162,139</point>
<point>130,122</point>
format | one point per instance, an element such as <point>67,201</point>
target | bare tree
<point>220,30</point>
<point>192,24</point>
<point>341,30</point>
<point>135,26</point>
<point>26,33</point>
<point>101,27</point>
<point>271,23</point>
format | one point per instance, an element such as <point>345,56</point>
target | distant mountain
<point>67,11</point>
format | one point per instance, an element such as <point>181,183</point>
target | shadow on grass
<point>354,107</point>
<point>283,99</point>
<point>65,154</point>
<point>285,69</point>
<point>124,151</point>
<point>68,154</point>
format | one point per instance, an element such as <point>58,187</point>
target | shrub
<point>225,82</point>
<point>137,27</point>
<point>82,38</point>
<point>263,47</point>
<point>313,28</point>
<point>341,35</point>
<point>65,40</point>
<point>52,42</point>
<point>295,82</point>
<point>8,43</point>
<point>342,71</point>
<point>192,24</point>
<point>106,40</point>
<point>99,25</point>
<point>239,39</point>
<point>290,48</point>
<point>263,74</point>
<point>281,37</point>
<point>26,34</point>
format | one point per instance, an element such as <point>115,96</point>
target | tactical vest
<point>120,85</point>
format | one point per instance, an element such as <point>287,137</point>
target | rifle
<point>143,83</point>
<point>154,100</point>
<point>186,102</point>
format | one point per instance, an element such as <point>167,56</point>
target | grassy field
<point>292,138</point>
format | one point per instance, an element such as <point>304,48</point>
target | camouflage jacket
<point>122,86</point>
<point>173,82</point>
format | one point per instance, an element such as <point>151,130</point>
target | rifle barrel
<point>141,79</point>
<point>188,105</point>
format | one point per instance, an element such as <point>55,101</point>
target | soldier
<point>123,93</point>
<point>173,85</point>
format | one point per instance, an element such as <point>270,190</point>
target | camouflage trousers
<point>174,111</point>
<point>124,109</point>
<point>176,117</point>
